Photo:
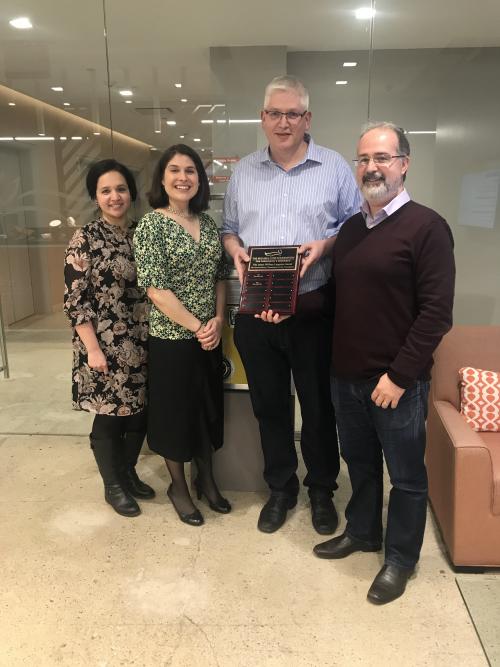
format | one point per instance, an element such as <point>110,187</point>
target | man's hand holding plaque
<point>271,282</point>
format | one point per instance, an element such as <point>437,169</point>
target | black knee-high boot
<point>106,458</point>
<point>132,444</point>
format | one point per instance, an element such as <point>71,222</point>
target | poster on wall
<point>479,198</point>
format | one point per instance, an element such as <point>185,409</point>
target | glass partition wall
<point>127,80</point>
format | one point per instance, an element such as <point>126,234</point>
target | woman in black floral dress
<point>109,318</point>
<point>180,263</point>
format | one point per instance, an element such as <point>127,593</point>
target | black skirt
<point>185,401</point>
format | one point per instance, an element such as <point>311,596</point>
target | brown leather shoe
<point>389,584</point>
<point>342,546</point>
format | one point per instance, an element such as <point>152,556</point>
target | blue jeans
<point>368,434</point>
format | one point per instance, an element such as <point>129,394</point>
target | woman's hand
<point>97,361</point>
<point>209,335</point>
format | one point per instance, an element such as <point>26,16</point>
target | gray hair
<point>403,143</point>
<point>287,83</point>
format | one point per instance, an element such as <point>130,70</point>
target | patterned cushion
<point>480,398</point>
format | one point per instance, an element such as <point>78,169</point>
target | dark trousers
<point>368,433</point>
<point>270,354</point>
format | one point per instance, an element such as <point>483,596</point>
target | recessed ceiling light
<point>183,99</point>
<point>66,104</point>
<point>221,121</point>
<point>21,23</point>
<point>12,104</point>
<point>364,13</point>
<point>128,101</point>
<point>157,131</point>
<point>171,122</point>
<point>63,138</point>
<point>340,83</point>
<point>57,89</point>
<point>244,120</point>
<point>196,139</point>
<point>96,134</point>
<point>178,85</point>
<point>349,65</point>
<point>207,122</point>
<point>181,136</point>
<point>55,223</point>
<point>77,138</point>
<point>126,93</point>
<point>152,148</point>
<point>41,134</point>
<point>34,138</point>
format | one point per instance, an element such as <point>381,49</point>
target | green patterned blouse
<point>167,257</point>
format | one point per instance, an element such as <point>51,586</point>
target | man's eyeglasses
<point>382,160</point>
<point>292,116</point>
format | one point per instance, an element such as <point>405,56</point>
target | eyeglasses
<point>382,160</point>
<point>292,116</point>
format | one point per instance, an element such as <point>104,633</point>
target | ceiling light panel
<point>21,23</point>
<point>364,13</point>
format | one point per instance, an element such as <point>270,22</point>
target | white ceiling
<point>152,44</point>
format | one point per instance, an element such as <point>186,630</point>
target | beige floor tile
<point>84,586</point>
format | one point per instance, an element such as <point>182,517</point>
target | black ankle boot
<point>132,443</point>
<point>114,493</point>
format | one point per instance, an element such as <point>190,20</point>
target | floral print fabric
<point>101,288</point>
<point>168,257</point>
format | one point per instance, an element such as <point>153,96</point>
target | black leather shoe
<point>193,519</point>
<point>323,513</point>
<point>135,486</point>
<point>342,546</point>
<point>273,514</point>
<point>389,584</point>
<point>120,500</point>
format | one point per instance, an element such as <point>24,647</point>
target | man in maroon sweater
<point>394,276</point>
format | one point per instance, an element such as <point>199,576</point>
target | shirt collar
<point>399,200</point>
<point>312,152</point>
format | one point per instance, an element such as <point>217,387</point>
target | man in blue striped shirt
<point>291,193</point>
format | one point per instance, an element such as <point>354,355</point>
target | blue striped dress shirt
<point>266,205</point>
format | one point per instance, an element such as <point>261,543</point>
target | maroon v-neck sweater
<point>394,287</point>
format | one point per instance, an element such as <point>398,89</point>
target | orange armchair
<point>463,465</point>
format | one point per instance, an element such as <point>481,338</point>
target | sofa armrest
<point>462,436</point>
<point>459,432</point>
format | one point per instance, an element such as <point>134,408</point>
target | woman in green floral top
<point>180,262</point>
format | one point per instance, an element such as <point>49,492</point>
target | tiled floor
<point>84,586</point>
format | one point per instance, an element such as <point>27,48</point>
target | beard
<point>375,187</point>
